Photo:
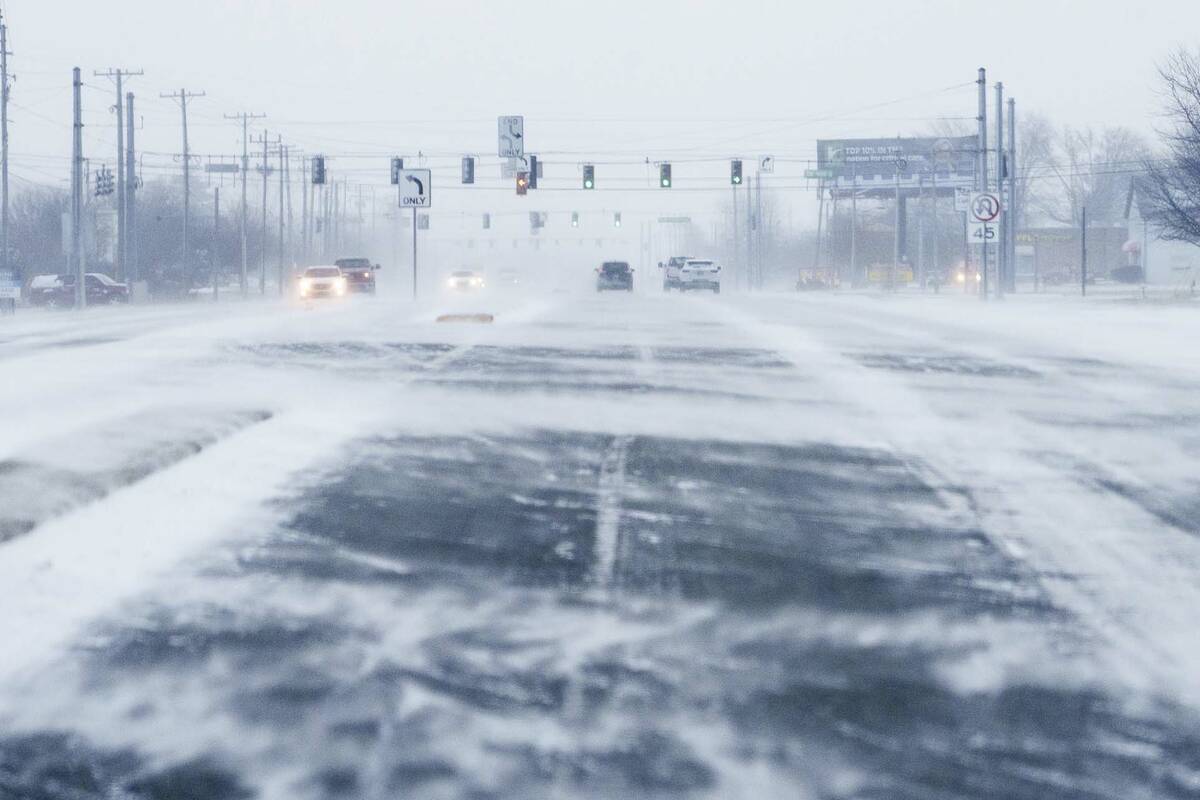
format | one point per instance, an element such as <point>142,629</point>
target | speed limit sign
<point>982,232</point>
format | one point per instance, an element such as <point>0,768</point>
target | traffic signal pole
<point>77,191</point>
<point>982,180</point>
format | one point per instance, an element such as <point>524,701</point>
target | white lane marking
<point>608,508</point>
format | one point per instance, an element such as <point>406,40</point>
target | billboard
<point>864,162</point>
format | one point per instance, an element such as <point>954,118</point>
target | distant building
<point>1055,255</point>
<point>1165,262</point>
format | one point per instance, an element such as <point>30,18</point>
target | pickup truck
<point>359,274</point>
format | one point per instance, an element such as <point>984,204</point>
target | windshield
<point>899,499</point>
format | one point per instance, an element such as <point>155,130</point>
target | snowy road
<point>652,547</point>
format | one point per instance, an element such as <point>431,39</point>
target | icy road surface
<point>609,547</point>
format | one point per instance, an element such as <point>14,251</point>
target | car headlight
<point>305,285</point>
<point>961,278</point>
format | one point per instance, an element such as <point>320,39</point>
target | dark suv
<point>359,274</point>
<point>59,290</point>
<point>614,276</point>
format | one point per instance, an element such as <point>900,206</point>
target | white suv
<point>686,274</point>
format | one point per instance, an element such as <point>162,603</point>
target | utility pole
<point>305,188</point>
<point>121,268</point>
<point>737,267</point>
<point>245,120</point>
<point>982,182</point>
<point>287,178</point>
<point>77,192</point>
<point>853,229</point>
<point>749,239</point>
<point>937,248</point>
<point>920,276</point>
<point>896,240</point>
<point>216,246</point>
<point>131,188</point>
<point>758,268</point>
<point>266,169</point>
<point>182,97</point>
<point>1083,253</point>
<point>1012,195</point>
<point>820,224</point>
<point>1002,244</point>
<point>282,257</point>
<point>4,90</point>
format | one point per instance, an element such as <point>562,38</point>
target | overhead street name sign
<point>416,188</point>
<point>511,136</point>
<point>815,174</point>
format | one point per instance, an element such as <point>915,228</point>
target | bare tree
<point>1091,170</point>
<point>1035,153</point>
<point>1172,186</point>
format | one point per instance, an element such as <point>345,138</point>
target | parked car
<point>322,282</point>
<point>614,276</point>
<point>59,290</point>
<point>359,274</point>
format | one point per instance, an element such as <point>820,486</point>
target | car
<point>59,290</point>
<point>322,282</point>
<point>465,280</point>
<point>697,273</point>
<point>670,271</point>
<point>614,276</point>
<point>508,277</point>
<point>359,274</point>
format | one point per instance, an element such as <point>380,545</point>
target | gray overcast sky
<point>619,79</point>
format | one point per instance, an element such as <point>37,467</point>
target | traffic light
<point>522,183</point>
<point>589,176</point>
<point>104,182</point>
<point>468,169</point>
<point>487,222</point>
<point>664,176</point>
<point>318,170</point>
<point>617,220</point>
<point>397,168</point>
<point>735,172</point>
<point>533,172</point>
<point>574,219</point>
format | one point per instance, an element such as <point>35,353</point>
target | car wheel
<point>716,290</point>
